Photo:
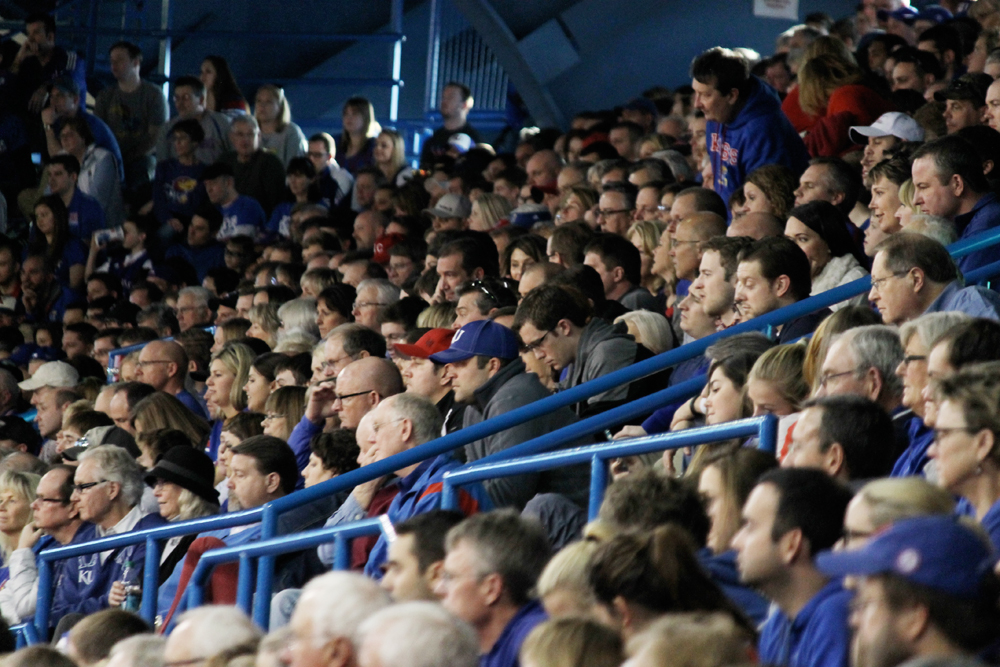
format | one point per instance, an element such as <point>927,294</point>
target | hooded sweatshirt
<point>759,135</point>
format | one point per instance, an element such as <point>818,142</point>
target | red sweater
<point>849,105</point>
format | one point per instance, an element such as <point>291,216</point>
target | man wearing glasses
<point>189,100</point>
<point>57,523</point>
<point>108,488</point>
<point>163,365</point>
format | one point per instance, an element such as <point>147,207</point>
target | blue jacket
<point>759,135</point>
<point>508,645</point>
<point>984,216</point>
<point>974,301</point>
<point>202,258</point>
<point>914,458</point>
<point>420,492</point>
<point>991,524</point>
<point>86,581</point>
<point>818,636</point>
<point>85,216</point>
<point>177,189</point>
<point>722,569</point>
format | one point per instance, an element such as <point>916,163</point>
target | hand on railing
<point>630,432</point>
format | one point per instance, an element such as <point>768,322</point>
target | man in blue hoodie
<point>746,127</point>
<point>107,492</point>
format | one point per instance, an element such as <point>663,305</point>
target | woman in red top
<point>830,88</point>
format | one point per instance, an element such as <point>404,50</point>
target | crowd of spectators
<point>300,307</point>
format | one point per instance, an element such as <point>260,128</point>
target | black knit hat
<point>189,469</point>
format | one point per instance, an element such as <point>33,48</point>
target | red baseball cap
<point>432,342</point>
<point>382,245</point>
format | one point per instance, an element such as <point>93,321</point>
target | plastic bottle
<point>131,578</point>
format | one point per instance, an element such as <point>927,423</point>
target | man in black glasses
<point>57,523</point>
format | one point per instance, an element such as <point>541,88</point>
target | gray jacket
<point>513,387</point>
<point>638,298</point>
<point>603,348</point>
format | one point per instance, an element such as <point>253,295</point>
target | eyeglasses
<point>342,398</point>
<point>143,364</point>
<point>877,283</point>
<point>377,427</point>
<point>364,304</point>
<point>55,501</point>
<point>334,362</point>
<point>80,488</point>
<point>826,377</point>
<point>909,359</point>
<point>534,345</point>
<point>602,213</point>
<point>272,417</point>
<point>482,287</point>
<point>941,433</point>
<point>679,242</point>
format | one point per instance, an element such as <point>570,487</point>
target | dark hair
<point>339,297</point>
<point>616,251</point>
<point>570,239</point>
<point>477,250</point>
<point>705,200</point>
<point>844,179</point>
<point>724,69</point>
<point>729,248</point>
<point>492,293</point>
<point>338,450</point>
<point>357,338</point>
<point>134,392</point>
<point>584,278</point>
<point>429,531</point>
<point>953,155</point>
<point>945,38</point>
<point>658,570</point>
<point>68,162</point>
<point>647,499</point>
<point>42,17</point>
<point>190,127</point>
<point>531,245</point>
<point>86,332</point>
<point>226,89</point>
<point>546,305</point>
<point>192,82</point>
<point>133,50</point>
<point>810,501</point>
<point>38,244</point>
<point>923,62</point>
<point>80,126</point>
<point>95,635</point>
<point>831,224</point>
<point>905,250</point>
<point>862,428</point>
<point>972,342</point>
<point>778,256</point>
<point>628,191</point>
<point>514,175</point>
<point>970,624</point>
<point>299,365</point>
<point>464,89</point>
<point>272,455</point>
<point>266,363</point>
<point>895,168</point>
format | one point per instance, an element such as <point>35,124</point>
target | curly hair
<point>778,184</point>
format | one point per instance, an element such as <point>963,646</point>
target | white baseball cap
<point>451,206</point>
<point>892,123</point>
<point>52,374</point>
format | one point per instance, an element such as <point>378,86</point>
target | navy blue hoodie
<point>759,135</point>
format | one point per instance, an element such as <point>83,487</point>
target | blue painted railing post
<point>768,438</point>
<point>341,553</point>
<point>150,580</point>
<point>44,605</point>
<point>265,570</point>
<point>244,590</point>
<point>598,484</point>
<point>449,497</point>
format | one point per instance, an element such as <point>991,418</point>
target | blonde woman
<point>564,585</point>
<point>572,642</point>
<point>575,203</point>
<point>163,411</point>
<point>885,501</point>
<point>487,211</point>
<point>264,323</point>
<point>390,158</point>
<point>651,330</point>
<point>17,493</point>
<point>907,209</point>
<point>645,236</point>
<point>694,640</point>
<point>278,133</point>
<point>227,375</point>
<point>284,409</point>
<point>776,385</point>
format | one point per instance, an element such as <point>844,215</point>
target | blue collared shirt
<point>984,215</point>
<point>817,637</point>
<point>973,301</point>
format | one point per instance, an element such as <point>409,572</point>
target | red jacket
<point>849,105</point>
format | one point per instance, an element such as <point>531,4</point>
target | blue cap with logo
<point>483,338</point>
<point>933,551</point>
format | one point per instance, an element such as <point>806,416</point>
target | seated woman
<point>769,189</point>
<point>356,144</point>
<point>645,235</point>
<point>177,187</point>
<point>331,454</point>
<point>284,410</point>
<point>50,236</point>
<point>260,380</point>
<point>884,501</point>
<point>820,229</point>
<point>233,329</point>
<point>639,577</point>
<point>300,177</point>
<point>278,133</point>
<point>487,212</point>
<point>222,93</point>
<point>390,158</point>
<point>564,585</point>
<point>98,169</point>
<point>244,425</point>
<point>725,483</point>
<point>520,254</point>
<point>17,494</point>
<point>651,330</point>
<point>334,307</point>
<point>162,411</point>
<point>264,323</point>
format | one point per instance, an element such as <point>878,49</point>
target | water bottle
<point>131,578</point>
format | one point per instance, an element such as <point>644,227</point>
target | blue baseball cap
<point>483,338</point>
<point>933,551</point>
<point>934,14</point>
<point>905,14</point>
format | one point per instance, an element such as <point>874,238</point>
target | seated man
<point>557,324</point>
<point>193,309</point>
<point>415,561</point>
<point>774,273</point>
<point>790,516</point>
<point>848,437</point>
<point>56,523</point>
<point>42,297</point>
<point>506,555</point>
<point>242,215</point>
<point>913,275</point>
<point>618,263</point>
<point>163,364</point>
<point>463,260</point>
<point>401,423</point>
<point>715,285</point>
<point>64,103</point>
<point>478,300</point>
<point>108,490</point>
<point>387,637</point>
<point>202,251</point>
<point>427,379</point>
<point>258,173</point>
<point>688,241</point>
<point>488,375</point>
<point>925,590</point>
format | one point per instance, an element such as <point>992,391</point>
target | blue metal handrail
<point>244,553</point>
<point>268,514</point>
<point>765,428</point>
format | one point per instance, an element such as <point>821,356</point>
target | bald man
<point>691,233</point>
<point>164,365</point>
<point>543,169</point>
<point>756,226</point>
<point>537,274</point>
<point>361,386</point>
